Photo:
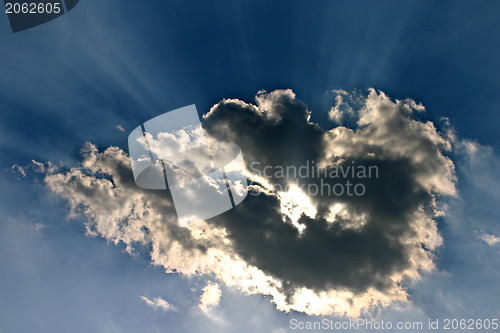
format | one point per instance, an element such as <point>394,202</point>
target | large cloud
<point>319,253</point>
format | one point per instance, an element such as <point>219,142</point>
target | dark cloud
<point>326,255</point>
<point>318,253</point>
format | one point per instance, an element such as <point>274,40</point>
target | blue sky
<point>109,63</point>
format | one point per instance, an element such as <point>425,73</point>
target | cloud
<point>120,128</point>
<point>341,109</point>
<point>491,240</point>
<point>468,267</point>
<point>18,170</point>
<point>36,167</point>
<point>158,303</point>
<point>39,227</point>
<point>398,205</point>
<point>209,300</point>
<point>332,253</point>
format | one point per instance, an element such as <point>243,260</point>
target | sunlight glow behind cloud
<point>319,254</point>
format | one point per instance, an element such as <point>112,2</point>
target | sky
<point>361,71</point>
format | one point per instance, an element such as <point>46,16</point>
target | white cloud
<point>120,128</point>
<point>341,110</point>
<point>35,166</point>
<point>19,170</point>
<point>209,301</point>
<point>388,130</point>
<point>158,303</point>
<point>491,240</point>
<point>210,297</point>
<point>39,227</point>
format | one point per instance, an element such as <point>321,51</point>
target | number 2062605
<point>32,8</point>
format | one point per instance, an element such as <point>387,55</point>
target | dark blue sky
<point>109,63</point>
<point>75,78</point>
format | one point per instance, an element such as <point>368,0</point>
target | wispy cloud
<point>120,128</point>
<point>158,303</point>
<point>491,240</point>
